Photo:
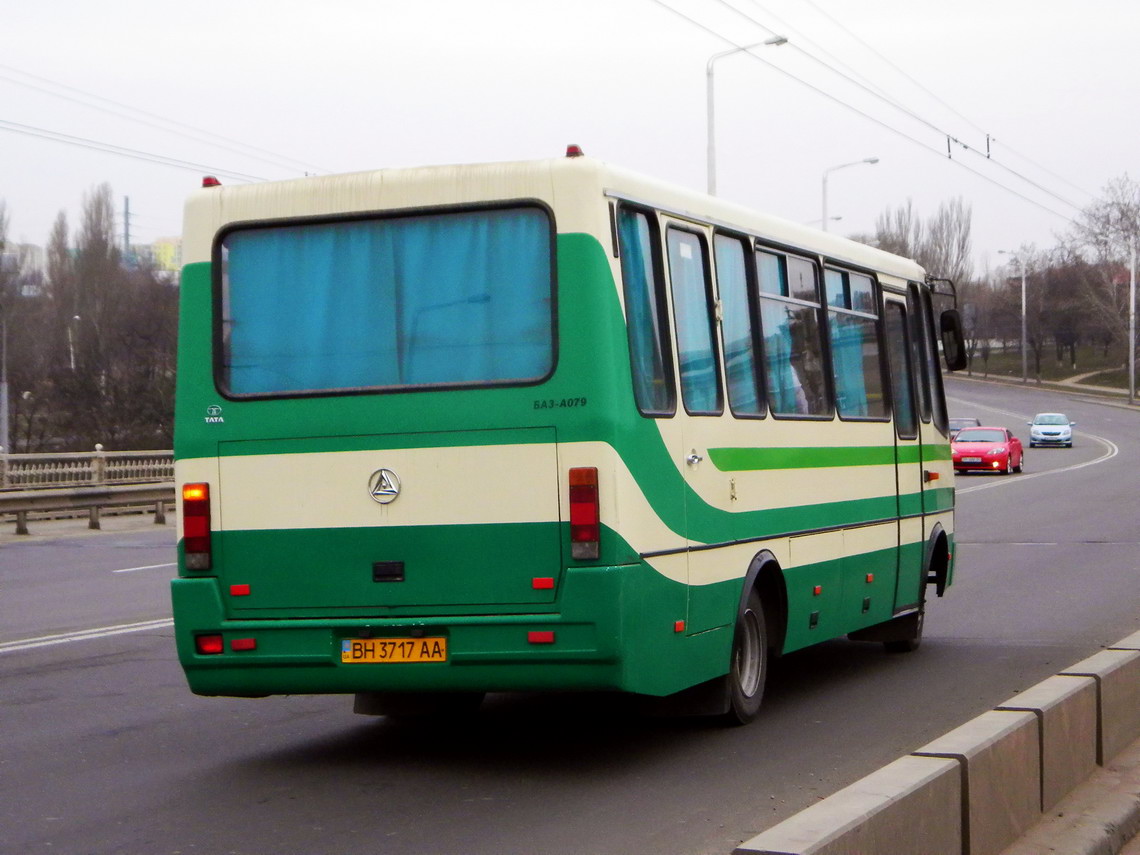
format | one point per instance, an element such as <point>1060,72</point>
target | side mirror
<point>953,340</point>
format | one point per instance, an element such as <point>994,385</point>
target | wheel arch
<point>936,561</point>
<point>766,577</point>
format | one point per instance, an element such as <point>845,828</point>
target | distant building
<point>167,254</point>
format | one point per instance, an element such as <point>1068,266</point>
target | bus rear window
<point>457,298</point>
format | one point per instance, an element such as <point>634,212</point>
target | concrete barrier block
<point>911,805</point>
<point>1066,711</point>
<point>1117,674</point>
<point>1000,756</point>
<point>1132,642</point>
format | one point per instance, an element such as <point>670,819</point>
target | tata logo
<point>214,415</point>
<point>384,486</point>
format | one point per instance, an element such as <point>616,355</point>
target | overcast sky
<point>346,85</point>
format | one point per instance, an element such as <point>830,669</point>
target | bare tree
<point>1102,239</point>
<point>942,244</point>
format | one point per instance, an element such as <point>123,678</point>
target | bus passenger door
<point>702,405</point>
<point>908,455</point>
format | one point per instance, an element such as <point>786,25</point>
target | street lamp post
<point>1021,263</point>
<point>869,160</point>
<point>1132,324</point>
<point>71,340</point>
<point>5,448</point>
<point>711,158</point>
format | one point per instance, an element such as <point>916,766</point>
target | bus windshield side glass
<point>458,298</point>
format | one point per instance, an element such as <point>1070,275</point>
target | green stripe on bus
<point>751,459</point>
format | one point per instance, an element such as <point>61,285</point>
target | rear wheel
<point>910,635</point>
<point>1020,463</point>
<point>1009,464</point>
<point>748,666</point>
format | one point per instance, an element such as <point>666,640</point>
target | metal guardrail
<point>90,481</point>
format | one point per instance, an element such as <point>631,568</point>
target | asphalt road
<point>104,750</point>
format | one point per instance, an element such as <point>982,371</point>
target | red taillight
<point>210,181</point>
<point>585,517</point>
<point>208,645</point>
<point>573,150</point>
<point>196,526</point>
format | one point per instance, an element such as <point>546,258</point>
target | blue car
<point>1051,429</point>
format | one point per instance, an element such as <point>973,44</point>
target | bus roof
<point>558,182</point>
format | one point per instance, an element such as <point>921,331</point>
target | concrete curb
<point>1055,769</point>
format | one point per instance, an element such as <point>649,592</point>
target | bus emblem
<point>384,486</point>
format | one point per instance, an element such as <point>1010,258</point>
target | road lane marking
<point>147,567</point>
<point>83,635</point>
<point>1109,446</point>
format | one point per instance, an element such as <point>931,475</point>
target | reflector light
<point>243,644</point>
<point>540,583</point>
<point>211,181</point>
<point>208,645</point>
<point>574,150</point>
<point>678,626</point>
<point>585,515</point>
<point>196,526</point>
<point>540,637</point>
<point>239,590</point>
<point>817,590</point>
<point>870,578</point>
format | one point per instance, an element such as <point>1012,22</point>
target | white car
<point>1051,429</point>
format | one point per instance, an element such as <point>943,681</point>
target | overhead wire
<point>154,120</point>
<point>122,151</point>
<point>822,92</point>
<point>950,137</point>
<point>932,94</point>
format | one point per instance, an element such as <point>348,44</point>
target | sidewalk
<point>1100,817</point>
<point>1073,383</point>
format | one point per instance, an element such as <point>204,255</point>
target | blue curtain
<point>436,299</point>
<point>651,389</point>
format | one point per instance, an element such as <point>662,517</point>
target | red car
<point>987,449</point>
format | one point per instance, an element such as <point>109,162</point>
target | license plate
<point>379,651</point>
<point>971,460</point>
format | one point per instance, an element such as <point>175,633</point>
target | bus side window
<point>918,299</point>
<point>793,348</point>
<point>696,332</point>
<point>902,387</point>
<point>737,328</point>
<point>651,362</point>
<point>854,328</point>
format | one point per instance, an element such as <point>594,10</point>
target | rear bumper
<point>594,645</point>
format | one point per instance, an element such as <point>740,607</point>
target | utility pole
<point>1132,324</point>
<point>126,228</point>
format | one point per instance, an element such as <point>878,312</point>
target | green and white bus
<point>545,425</point>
